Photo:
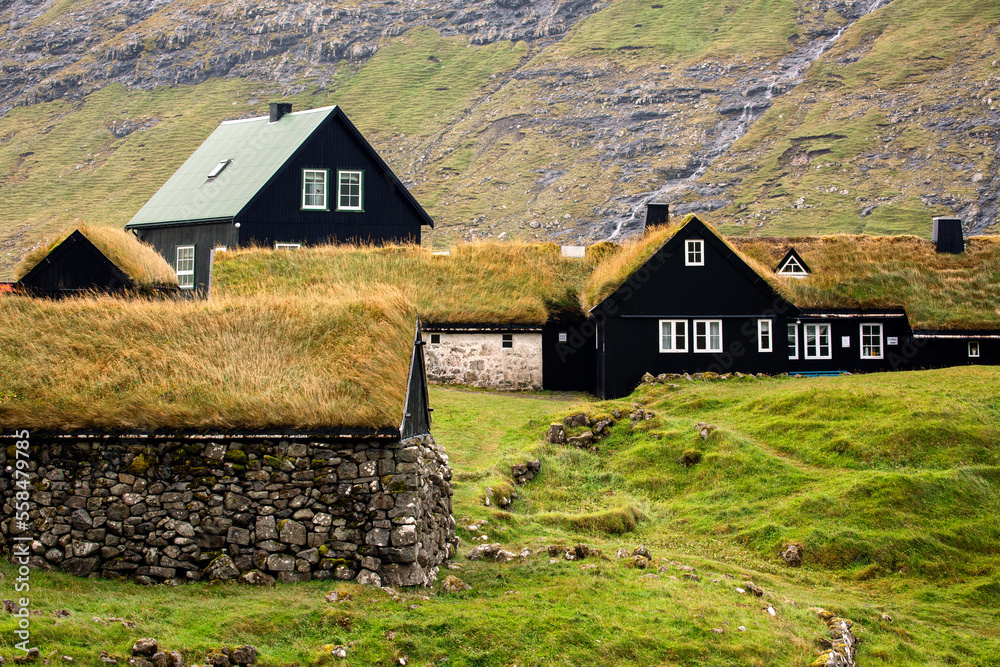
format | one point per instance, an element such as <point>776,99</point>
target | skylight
<point>218,168</point>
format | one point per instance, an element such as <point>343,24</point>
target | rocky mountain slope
<point>550,119</point>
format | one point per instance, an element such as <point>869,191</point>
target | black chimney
<point>657,214</point>
<point>279,109</point>
<point>947,234</point>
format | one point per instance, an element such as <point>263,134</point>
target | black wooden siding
<point>569,365</point>
<point>74,266</point>
<point>204,237</point>
<point>275,215</point>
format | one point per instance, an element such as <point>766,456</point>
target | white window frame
<point>506,341</point>
<point>185,276</point>
<point>793,340</point>
<point>707,336</point>
<point>694,252</point>
<point>821,331</point>
<point>671,338</point>
<point>793,269</point>
<point>870,348</point>
<point>287,246</point>
<point>973,349</point>
<point>341,194</point>
<point>320,197</point>
<point>765,336</point>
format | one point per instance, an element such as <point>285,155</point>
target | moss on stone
<point>236,456</point>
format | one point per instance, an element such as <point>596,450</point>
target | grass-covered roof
<point>138,260</point>
<point>937,290</point>
<point>336,361</point>
<point>489,283</point>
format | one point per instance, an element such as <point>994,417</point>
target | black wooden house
<point>698,304</point>
<point>90,261</point>
<point>280,181</point>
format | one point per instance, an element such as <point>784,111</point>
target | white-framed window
<point>764,337</point>
<point>871,341</point>
<point>563,336</point>
<point>507,341</point>
<point>435,339</point>
<point>694,252</point>
<point>349,185</point>
<point>314,189</point>
<point>973,349</point>
<point>793,269</point>
<point>673,336</point>
<point>287,246</point>
<point>185,266</point>
<point>817,341</point>
<point>793,340</point>
<point>708,335</point>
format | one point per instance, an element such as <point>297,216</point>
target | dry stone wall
<point>480,360</point>
<point>261,509</point>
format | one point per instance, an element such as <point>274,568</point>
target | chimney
<point>947,234</point>
<point>279,109</point>
<point>657,214</point>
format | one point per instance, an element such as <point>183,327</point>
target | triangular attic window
<point>792,266</point>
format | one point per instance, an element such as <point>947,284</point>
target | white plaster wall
<point>479,360</point>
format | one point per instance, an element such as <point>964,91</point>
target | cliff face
<point>550,119</point>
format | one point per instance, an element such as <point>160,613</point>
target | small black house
<point>280,181</point>
<point>99,260</point>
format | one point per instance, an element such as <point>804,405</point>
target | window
<point>708,335</point>
<point>435,339</point>
<point>694,252</point>
<point>973,349</point>
<point>508,341</point>
<point>314,189</point>
<point>764,335</point>
<point>793,341</point>
<point>563,336</point>
<point>287,246</point>
<point>673,336</point>
<point>871,341</point>
<point>349,191</point>
<point>793,268</point>
<point>218,168</point>
<point>185,266</point>
<point>818,341</point>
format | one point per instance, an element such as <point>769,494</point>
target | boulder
<point>579,419</point>
<point>146,646</point>
<point>453,584</point>
<point>222,569</point>
<point>793,555</point>
<point>556,435</point>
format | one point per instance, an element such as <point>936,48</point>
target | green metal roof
<point>256,149</point>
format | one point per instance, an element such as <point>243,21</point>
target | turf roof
<point>479,283</point>
<point>137,260</point>
<point>228,364</point>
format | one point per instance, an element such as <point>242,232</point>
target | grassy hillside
<point>563,138</point>
<point>889,482</point>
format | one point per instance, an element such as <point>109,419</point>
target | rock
<point>159,659</point>
<point>579,419</point>
<point>582,441</point>
<point>222,569</point>
<point>453,584</point>
<point>648,378</point>
<point>108,659</point>
<point>793,555</point>
<point>369,578</point>
<point>583,551</point>
<point>556,435</point>
<point>640,562</point>
<point>292,532</point>
<point>753,588</point>
<point>525,553</point>
<point>622,553</point>
<point>257,578</point>
<point>244,655</point>
<point>145,647</point>
<point>641,550</point>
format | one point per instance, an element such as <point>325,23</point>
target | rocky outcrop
<point>253,509</point>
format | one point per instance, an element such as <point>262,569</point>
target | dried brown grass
<point>232,363</point>
<point>477,283</point>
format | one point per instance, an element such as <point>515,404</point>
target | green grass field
<point>890,482</point>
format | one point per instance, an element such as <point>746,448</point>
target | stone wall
<point>170,509</point>
<point>480,360</point>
